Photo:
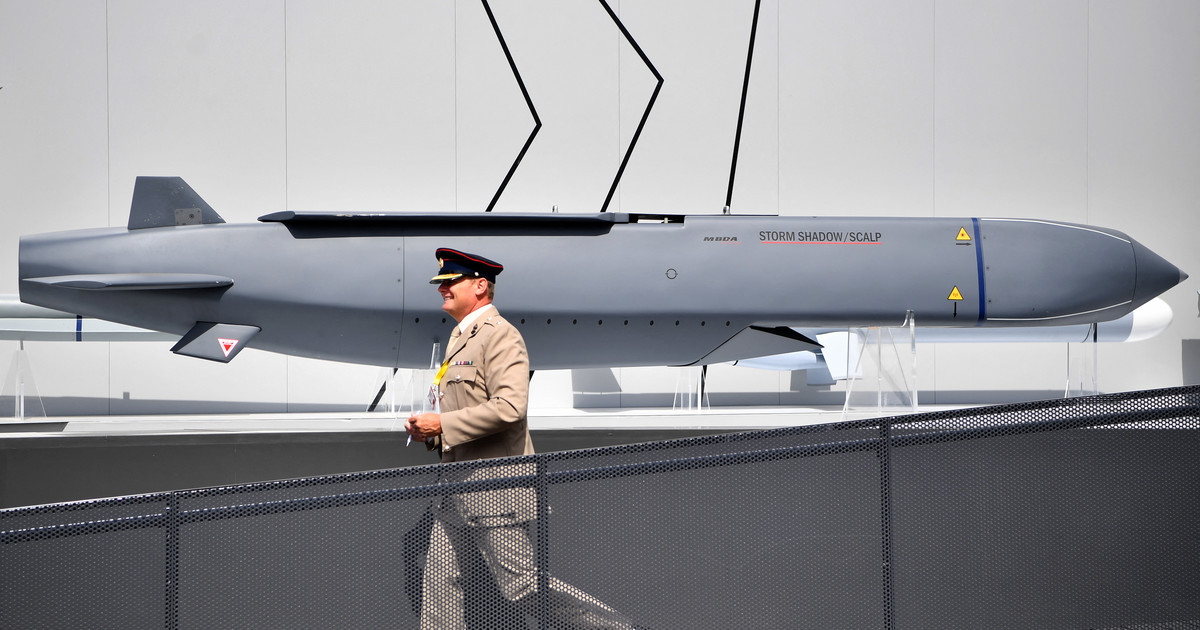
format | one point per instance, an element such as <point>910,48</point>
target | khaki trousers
<point>507,549</point>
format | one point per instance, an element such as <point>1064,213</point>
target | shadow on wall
<point>598,388</point>
<point>595,388</point>
<point>1191,361</point>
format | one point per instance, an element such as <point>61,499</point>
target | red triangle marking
<point>227,345</point>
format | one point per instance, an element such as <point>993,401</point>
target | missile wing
<point>838,355</point>
<point>22,322</point>
<point>586,290</point>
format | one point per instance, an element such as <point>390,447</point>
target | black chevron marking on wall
<point>537,122</point>
<point>737,137</point>
<point>649,104</point>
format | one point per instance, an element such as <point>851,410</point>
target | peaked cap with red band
<point>454,264</point>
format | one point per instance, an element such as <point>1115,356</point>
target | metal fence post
<point>543,548</point>
<point>172,560</point>
<point>885,501</point>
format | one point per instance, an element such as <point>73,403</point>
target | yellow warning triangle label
<point>962,235</point>
<point>955,295</point>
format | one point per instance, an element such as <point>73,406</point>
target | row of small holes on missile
<point>599,322</point>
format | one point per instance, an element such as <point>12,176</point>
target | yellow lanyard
<point>437,380</point>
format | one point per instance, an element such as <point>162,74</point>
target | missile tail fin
<point>168,202</point>
<point>759,341</point>
<point>215,342</point>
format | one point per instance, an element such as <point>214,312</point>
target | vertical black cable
<point>737,137</point>
<point>649,105</point>
<point>528,101</point>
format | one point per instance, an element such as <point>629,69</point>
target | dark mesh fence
<point>1079,513</point>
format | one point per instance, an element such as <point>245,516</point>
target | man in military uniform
<point>482,391</point>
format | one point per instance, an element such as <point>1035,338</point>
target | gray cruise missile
<point>586,290</point>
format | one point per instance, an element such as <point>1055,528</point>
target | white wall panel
<point>53,117</point>
<point>492,120</point>
<point>993,372</point>
<point>1083,110</point>
<point>651,386</point>
<point>321,385</point>
<point>756,188</point>
<point>1144,153</point>
<point>71,378</point>
<point>370,105</point>
<point>682,160</point>
<point>197,90</point>
<point>554,389</point>
<point>1011,121</point>
<point>148,378</point>
<point>566,53</point>
<point>856,108</point>
<point>53,166</point>
<point>732,385</point>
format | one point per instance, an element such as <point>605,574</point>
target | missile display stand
<point>882,376</point>
<point>690,391</point>
<point>19,384</point>
<point>1083,367</point>
<point>408,390</point>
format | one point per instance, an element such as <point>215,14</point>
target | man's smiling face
<point>462,295</point>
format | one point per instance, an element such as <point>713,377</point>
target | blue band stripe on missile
<point>979,270</point>
<point>79,328</point>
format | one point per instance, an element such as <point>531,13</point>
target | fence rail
<point>1025,515</point>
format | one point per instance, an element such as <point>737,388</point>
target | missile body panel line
<point>979,272</point>
<point>1072,226</point>
<point>1090,313</point>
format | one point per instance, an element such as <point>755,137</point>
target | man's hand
<point>424,425</point>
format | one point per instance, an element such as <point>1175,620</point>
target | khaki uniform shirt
<point>484,401</point>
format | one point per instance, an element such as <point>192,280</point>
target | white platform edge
<point>715,419</point>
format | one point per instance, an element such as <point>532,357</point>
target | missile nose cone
<point>1154,275</point>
